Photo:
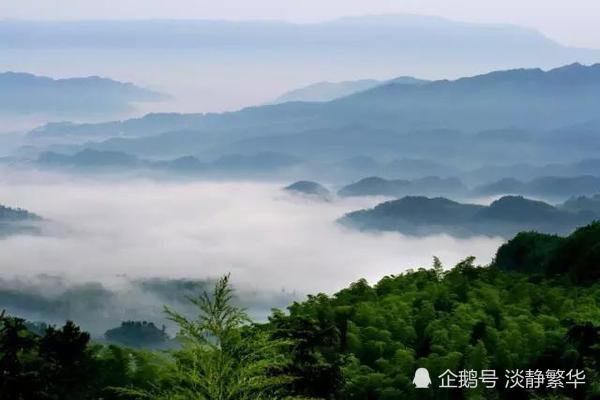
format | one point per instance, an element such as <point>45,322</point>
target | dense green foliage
<point>467,318</point>
<point>221,358</point>
<point>62,364</point>
<point>576,256</point>
<point>535,308</point>
<point>527,252</point>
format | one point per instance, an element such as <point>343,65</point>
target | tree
<point>17,381</point>
<point>66,362</point>
<point>224,356</point>
<point>56,365</point>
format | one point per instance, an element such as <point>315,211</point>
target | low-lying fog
<point>270,241</point>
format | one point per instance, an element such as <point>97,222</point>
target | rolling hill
<point>310,189</point>
<point>504,217</point>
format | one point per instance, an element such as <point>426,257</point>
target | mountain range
<point>583,203</point>
<point>427,186</point>
<point>441,120</point>
<point>28,94</point>
<point>504,217</point>
<point>272,165</point>
<point>408,35</point>
<point>327,91</point>
<point>90,160</point>
<point>226,65</point>
<point>547,187</point>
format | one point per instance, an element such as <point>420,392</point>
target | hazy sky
<point>573,22</point>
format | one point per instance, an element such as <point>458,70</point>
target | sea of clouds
<point>115,230</point>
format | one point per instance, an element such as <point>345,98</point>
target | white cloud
<point>266,239</point>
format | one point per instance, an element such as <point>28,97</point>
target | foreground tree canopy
<point>536,307</point>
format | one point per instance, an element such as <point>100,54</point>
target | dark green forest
<point>536,307</point>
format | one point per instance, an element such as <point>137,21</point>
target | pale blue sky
<point>573,22</point>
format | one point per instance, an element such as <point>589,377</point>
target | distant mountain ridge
<point>504,217</point>
<point>24,93</point>
<point>148,125</point>
<point>328,91</point>
<point>90,160</point>
<point>522,97</point>
<point>199,33</point>
<point>549,186</point>
<point>250,57</point>
<point>387,117</point>
<point>583,203</point>
<point>430,185</point>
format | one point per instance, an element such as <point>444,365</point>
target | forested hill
<point>363,343</point>
<point>417,215</point>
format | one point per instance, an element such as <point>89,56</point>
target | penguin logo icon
<point>422,380</point>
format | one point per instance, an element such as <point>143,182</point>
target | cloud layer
<point>266,239</point>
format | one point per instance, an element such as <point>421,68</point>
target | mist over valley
<point>317,208</point>
<point>275,245</point>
